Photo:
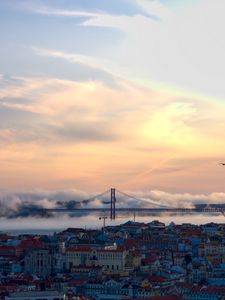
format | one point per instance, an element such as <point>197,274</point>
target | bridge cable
<point>138,199</point>
<point>96,196</point>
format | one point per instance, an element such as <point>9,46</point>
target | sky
<point>125,93</point>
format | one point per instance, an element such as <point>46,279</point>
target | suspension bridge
<point>113,210</point>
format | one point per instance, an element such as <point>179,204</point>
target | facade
<point>112,261</point>
<point>36,295</point>
<point>112,289</point>
<point>38,262</point>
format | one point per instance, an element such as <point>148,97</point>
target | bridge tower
<point>113,204</point>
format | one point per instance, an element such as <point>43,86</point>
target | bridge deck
<point>138,209</point>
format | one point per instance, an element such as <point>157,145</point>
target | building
<point>36,295</point>
<point>112,260</point>
<point>38,262</point>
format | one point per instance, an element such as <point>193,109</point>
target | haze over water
<point>49,226</point>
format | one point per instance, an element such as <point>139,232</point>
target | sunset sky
<point>101,93</point>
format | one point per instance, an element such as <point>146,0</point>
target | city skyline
<point>95,94</point>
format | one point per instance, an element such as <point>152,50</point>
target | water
<point>61,222</point>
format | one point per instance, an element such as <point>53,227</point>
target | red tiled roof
<point>4,237</point>
<point>4,288</point>
<point>156,279</point>
<point>111,250</point>
<point>87,248</point>
<point>165,298</point>
<point>79,249</point>
<point>30,243</point>
<point>216,263</point>
<point>150,260</point>
<point>75,282</point>
<point>209,289</point>
<point>27,277</point>
<point>159,298</point>
<point>131,242</point>
<point>6,247</point>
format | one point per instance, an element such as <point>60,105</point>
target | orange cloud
<point>90,136</point>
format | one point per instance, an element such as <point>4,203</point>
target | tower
<point>113,204</point>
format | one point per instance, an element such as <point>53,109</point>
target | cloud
<point>117,99</point>
<point>185,199</point>
<point>50,118</point>
<point>174,51</point>
<point>65,13</point>
<point>54,125</point>
<point>33,204</point>
<point>8,80</point>
<point>83,116</point>
<point>89,131</point>
<point>68,56</point>
<point>92,10</point>
<point>89,68</point>
<point>37,203</point>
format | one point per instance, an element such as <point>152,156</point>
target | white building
<point>112,260</point>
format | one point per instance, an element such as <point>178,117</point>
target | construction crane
<point>104,220</point>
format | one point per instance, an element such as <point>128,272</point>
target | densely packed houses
<point>130,261</point>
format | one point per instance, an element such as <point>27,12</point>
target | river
<point>61,222</point>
